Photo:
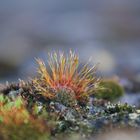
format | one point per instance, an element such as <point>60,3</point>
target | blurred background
<point>108,31</point>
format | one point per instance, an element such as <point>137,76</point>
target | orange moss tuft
<point>64,73</point>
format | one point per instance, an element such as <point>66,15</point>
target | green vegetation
<point>110,91</point>
<point>16,122</point>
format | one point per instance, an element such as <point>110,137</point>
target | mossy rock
<point>110,90</point>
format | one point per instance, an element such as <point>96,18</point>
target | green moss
<point>66,97</point>
<point>110,91</point>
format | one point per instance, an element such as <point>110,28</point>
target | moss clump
<point>64,73</point>
<point>17,123</point>
<point>110,91</point>
<point>66,97</point>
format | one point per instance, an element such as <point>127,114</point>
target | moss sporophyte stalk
<point>65,77</point>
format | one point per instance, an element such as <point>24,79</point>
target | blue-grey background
<point>107,30</point>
